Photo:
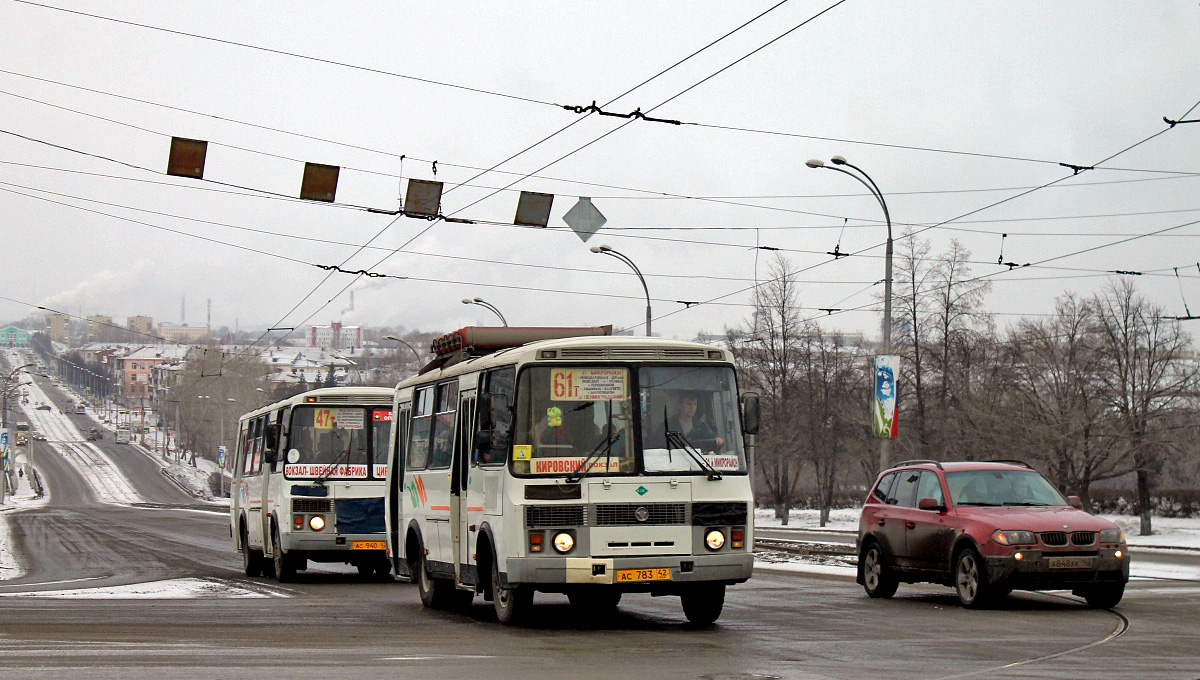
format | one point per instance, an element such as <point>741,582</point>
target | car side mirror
<point>750,413</point>
<point>930,504</point>
<point>1075,502</point>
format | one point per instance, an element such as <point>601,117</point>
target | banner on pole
<point>884,423</point>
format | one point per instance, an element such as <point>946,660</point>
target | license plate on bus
<point>635,575</point>
<point>368,545</point>
<point>1072,562</point>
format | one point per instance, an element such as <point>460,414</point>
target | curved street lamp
<point>486,305</point>
<point>607,250</point>
<point>885,445</point>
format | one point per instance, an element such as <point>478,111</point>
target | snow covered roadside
<point>22,498</point>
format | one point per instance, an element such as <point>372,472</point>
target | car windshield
<point>1001,487</point>
<point>690,408</point>
<point>570,414</point>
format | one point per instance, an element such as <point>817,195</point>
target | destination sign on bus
<point>344,418</point>
<point>314,470</point>
<point>588,384</point>
<point>559,466</point>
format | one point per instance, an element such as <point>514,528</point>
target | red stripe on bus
<point>475,509</point>
<point>440,507</point>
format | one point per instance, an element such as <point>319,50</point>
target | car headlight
<point>714,539</point>
<point>316,522</point>
<point>1111,536</point>
<point>563,542</point>
<point>1011,537</point>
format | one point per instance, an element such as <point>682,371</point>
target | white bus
<point>123,434</point>
<point>309,476</point>
<point>525,459</point>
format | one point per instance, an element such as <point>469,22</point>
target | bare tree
<point>1145,378</point>
<point>911,326</point>
<point>768,363</point>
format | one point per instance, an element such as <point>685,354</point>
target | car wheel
<point>702,605</point>
<point>878,581</point>
<point>970,579</point>
<point>251,559</point>
<point>1105,596</point>
<point>511,602</point>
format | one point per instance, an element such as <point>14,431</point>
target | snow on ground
<point>171,589</point>
<point>1169,532</point>
<point>23,497</point>
<point>842,519</point>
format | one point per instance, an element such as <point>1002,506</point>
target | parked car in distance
<point>94,434</point>
<point>985,529</point>
<point>43,407</point>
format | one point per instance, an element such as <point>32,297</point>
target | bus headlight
<point>714,539</point>
<point>563,542</point>
<point>316,522</point>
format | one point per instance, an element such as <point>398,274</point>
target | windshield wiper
<point>983,503</point>
<point>579,473</point>
<point>677,438</point>
<point>333,466</point>
<point>1025,503</point>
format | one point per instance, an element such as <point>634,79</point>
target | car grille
<point>1083,537</point>
<point>1054,538</point>
<point>626,514</point>
<point>545,516</point>
<point>311,505</point>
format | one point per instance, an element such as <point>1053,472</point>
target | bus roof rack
<point>1011,461</point>
<point>476,341</point>
<point>917,462</point>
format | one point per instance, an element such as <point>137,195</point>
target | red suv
<point>985,529</point>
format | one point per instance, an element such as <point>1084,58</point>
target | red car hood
<point>1039,519</point>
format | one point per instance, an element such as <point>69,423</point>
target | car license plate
<point>368,545</point>
<point>1072,562</point>
<point>633,575</point>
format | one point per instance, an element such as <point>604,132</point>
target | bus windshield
<point>566,416</point>
<point>690,407</point>
<point>328,441</point>
<point>571,414</point>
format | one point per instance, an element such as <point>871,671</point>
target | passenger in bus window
<point>693,425</point>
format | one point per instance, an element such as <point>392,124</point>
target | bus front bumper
<point>332,543</point>
<point>629,573</point>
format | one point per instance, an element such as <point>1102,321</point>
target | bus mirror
<point>270,456</point>
<point>750,413</point>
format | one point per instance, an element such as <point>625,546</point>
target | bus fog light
<point>714,539</point>
<point>737,538</point>
<point>298,522</point>
<point>316,522</point>
<point>535,542</point>
<point>563,542</point>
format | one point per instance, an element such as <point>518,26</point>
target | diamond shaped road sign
<point>584,219</point>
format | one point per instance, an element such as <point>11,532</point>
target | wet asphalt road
<point>335,624</point>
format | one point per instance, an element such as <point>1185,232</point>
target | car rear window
<point>884,485</point>
<point>905,491</point>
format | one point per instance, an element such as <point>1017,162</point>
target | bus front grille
<point>633,514</point>
<point>311,505</point>
<point>549,516</point>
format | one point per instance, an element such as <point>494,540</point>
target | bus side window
<point>248,452</point>
<point>239,454</point>
<point>259,425</point>
<point>495,415</point>
<point>422,423</point>
<point>441,446</point>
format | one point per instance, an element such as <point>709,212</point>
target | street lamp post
<point>885,445</point>
<point>606,250</point>
<point>486,305</point>
<point>416,354</point>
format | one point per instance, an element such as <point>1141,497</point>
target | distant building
<point>58,327</point>
<point>137,366</point>
<point>182,332</point>
<point>100,328</point>
<point>142,327</point>
<point>335,336</point>
<point>11,336</point>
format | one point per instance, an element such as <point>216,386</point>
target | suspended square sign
<point>533,210</point>
<point>187,158</point>
<point>320,182</point>
<point>424,198</point>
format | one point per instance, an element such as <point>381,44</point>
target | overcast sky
<point>1040,82</point>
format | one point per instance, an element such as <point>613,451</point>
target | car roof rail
<point>918,462</point>
<point>1011,461</point>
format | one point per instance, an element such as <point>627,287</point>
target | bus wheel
<point>702,604</point>
<point>251,559</point>
<point>285,565</point>
<point>512,602</point>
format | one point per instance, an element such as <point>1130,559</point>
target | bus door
<point>252,483</point>
<point>394,517</point>
<point>462,525</point>
<point>270,452</point>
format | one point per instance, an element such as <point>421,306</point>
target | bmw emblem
<point>641,514</point>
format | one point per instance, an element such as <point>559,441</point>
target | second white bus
<point>308,482</point>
